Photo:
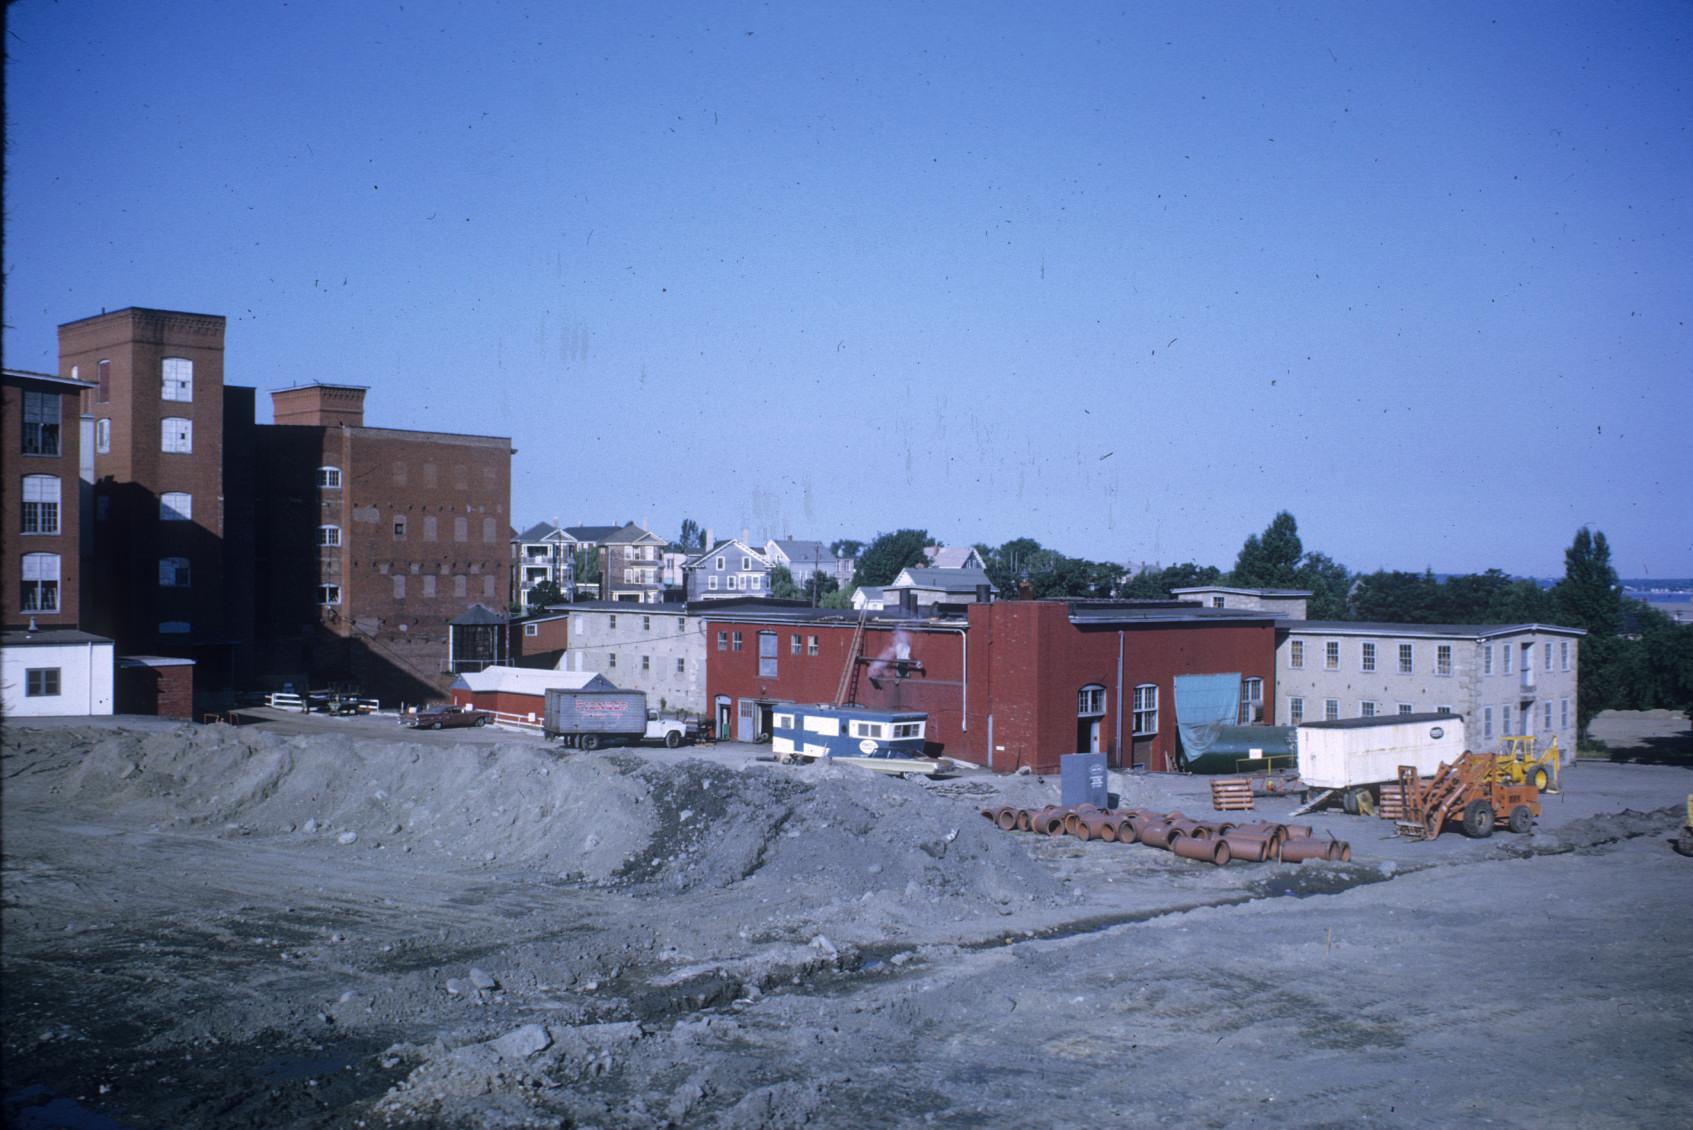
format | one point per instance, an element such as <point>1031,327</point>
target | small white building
<point>55,671</point>
<point>1289,604</point>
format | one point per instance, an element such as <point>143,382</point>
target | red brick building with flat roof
<point>1007,684</point>
<point>40,535</point>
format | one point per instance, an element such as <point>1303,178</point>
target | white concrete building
<point>657,648</point>
<point>1506,680</point>
<point>1288,603</point>
<point>55,671</point>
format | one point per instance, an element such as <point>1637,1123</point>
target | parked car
<point>445,716</point>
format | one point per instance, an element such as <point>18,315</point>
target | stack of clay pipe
<point>1216,842</point>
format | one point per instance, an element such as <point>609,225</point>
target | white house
<point>55,671</point>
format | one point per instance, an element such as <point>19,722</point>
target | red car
<point>442,717</point>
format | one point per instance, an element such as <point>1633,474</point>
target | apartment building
<point>1506,680</point>
<point>656,648</point>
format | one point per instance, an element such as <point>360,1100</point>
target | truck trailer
<point>590,719</point>
<point>1354,757</point>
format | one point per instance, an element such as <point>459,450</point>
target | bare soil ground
<point>333,923</point>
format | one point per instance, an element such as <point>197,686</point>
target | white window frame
<point>1296,654</point>
<point>1367,708</point>
<point>1251,700</point>
<point>1487,723</point>
<point>329,478</point>
<point>176,435</point>
<point>176,380</point>
<point>328,594</point>
<point>103,435</point>
<point>1367,656</point>
<point>1331,655</point>
<point>1564,654</point>
<point>811,645</point>
<point>176,506</point>
<point>712,585</point>
<point>531,630</point>
<point>1295,710</point>
<point>40,590</point>
<point>41,509</point>
<point>1144,721</point>
<point>1407,659</point>
<point>43,418</point>
<point>1546,647</point>
<point>329,537</point>
<point>1487,660</point>
<point>1443,659</point>
<point>1090,701</point>
<point>1331,710</point>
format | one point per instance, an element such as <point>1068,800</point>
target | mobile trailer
<point>890,741</point>
<point>1352,758</point>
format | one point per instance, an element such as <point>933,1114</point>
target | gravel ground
<point>336,922</point>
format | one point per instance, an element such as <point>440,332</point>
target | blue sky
<point>1124,278</point>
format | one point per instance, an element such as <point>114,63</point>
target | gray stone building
<point>656,648</point>
<point>1506,680</point>
<point>1289,603</point>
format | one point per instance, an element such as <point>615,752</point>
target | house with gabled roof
<point>730,568</point>
<point>631,564</point>
<point>803,558</point>
<point>920,587</point>
<point>954,557</point>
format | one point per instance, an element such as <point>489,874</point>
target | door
<point>746,722</point>
<point>725,717</point>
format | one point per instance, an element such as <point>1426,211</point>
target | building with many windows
<point>656,648</point>
<point>1506,680</point>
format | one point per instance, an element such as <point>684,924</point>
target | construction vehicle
<point>1517,763</point>
<point>1467,790</point>
<point>1684,842</point>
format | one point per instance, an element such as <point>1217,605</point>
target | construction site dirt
<point>340,923</point>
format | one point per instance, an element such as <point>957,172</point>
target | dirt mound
<point>654,828</point>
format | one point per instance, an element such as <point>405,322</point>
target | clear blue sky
<point>1124,278</point>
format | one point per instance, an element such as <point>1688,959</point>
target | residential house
<point>630,565</point>
<point>917,587</point>
<point>803,558</point>
<point>954,557</point>
<point>869,598</point>
<point>656,648</point>
<point>727,570</point>
<point>542,553</point>
<point>1506,680</point>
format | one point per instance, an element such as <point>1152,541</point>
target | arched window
<point>329,478</point>
<point>41,504</point>
<point>329,535</point>
<point>1090,701</point>
<point>177,379</point>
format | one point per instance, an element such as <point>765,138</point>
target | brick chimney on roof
<point>319,405</point>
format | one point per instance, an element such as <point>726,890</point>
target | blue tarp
<point>1204,705</point>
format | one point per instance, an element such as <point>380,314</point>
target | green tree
<point>1590,595</point>
<point>692,538</point>
<point>782,585</point>
<point>1329,582</point>
<point>819,586</point>
<point>1158,584</point>
<point>1017,560</point>
<point>840,598</point>
<point>883,558</point>
<point>845,547</point>
<point>587,566</point>
<point>545,595</point>
<point>1493,597</point>
<point>1271,561</point>
<point>1397,598</point>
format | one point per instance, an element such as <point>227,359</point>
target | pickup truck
<point>446,717</point>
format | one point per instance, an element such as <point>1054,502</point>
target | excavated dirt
<point>342,923</point>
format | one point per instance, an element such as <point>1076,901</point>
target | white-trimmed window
<point>722,641</point>
<point>177,381</point>
<point>794,644</point>
<point>175,628</point>
<point>1146,710</point>
<point>329,594</point>
<point>1505,720</point>
<point>734,583</point>
<point>174,573</point>
<point>1331,655</point>
<point>1507,650</point>
<point>1366,709</point>
<point>329,478</point>
<point>1487,723</point>
<point>176,506</point>
<point>734,641</point>
<point>1405,708</point>
<point>1296,654</point>
<point>176,435</point>
<point>1444,708</point>
<point>1487,660</point>
<point>711,583</point>
<point>811,645</point>
<point>1251,701</point>
<point>1295,711</point>
<point>531,630</point>
<point>1547,649</point>
<point>1564,655</point>
<point>1090,701</point>
<point>1369,657</point>
<point>41,423</point>
<point>753,581</point>
<point>1547,725</point>
<point>722,562</point>
<point>329,535</point>
<point>1564,712</point>
<point>1407,663</point>
<point>1331,710</point>
<point>41,504</point>
<point>767,655</point>
<point>103,436</point>
<point>1443,659</point>
<point>41,582</point>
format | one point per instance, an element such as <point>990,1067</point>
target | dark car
<point>446,717</point>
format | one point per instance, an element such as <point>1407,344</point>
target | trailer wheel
<point>1349,802</point>
<point>590,742</point>
<point>1540,779</point>
<point>672,740</point>
<point>1478,820</point>
<point>1521,820</point>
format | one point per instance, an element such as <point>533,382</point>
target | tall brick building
<point>41,533</point>
<point>312,550</point>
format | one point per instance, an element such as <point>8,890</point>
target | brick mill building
<point>312,550</point>
<point>1006,685</point>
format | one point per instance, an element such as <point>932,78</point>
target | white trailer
<point>1354,757</point>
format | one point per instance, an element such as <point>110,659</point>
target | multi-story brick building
<point>1506,680</point>
<point>315,549</point>
<point>374,540</point>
